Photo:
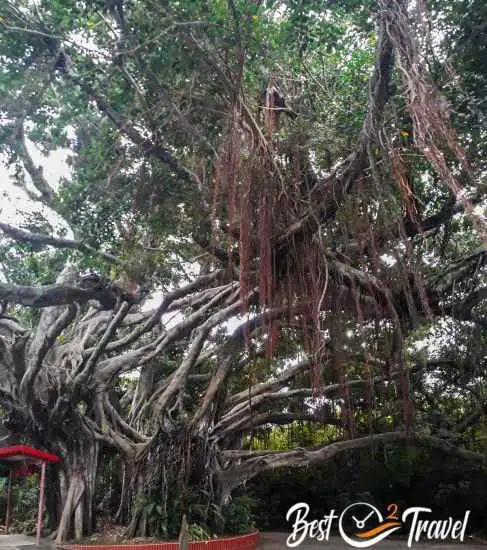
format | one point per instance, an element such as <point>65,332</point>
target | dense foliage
<point>273,216</point>
<point>406,477</point>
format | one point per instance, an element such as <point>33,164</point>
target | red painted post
<point>9,500</point>
<point>41,503</point>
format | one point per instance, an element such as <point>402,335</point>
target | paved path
<point>22,542</point>
<point>267,541</point>
<point>277,541</point>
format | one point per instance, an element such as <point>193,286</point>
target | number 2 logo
<point>393,509</point>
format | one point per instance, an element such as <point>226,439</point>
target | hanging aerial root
<point>428,108</point>
<point>401,178</point>
<point>245,245</point>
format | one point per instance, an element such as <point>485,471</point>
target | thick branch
<point>48,295</point>
<point>258,398</point>
<point>191,357</point>
<point>167,301</point>
<point>37,239</point>
<point>19,145</point>
<point>456,271</point>
<point>145,144</point>
<point>86,371</point>
<point>255,462</point>
<point>227,357</point>
<point>41,344</point>
<point>271,386</point>
<point>329,194</point>
<point>251,422</point>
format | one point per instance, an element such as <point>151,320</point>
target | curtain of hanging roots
<point>261,181</point>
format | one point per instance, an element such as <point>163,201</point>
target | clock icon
<point>362,525</point>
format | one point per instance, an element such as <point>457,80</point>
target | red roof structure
<point>24,453</point>
<point>19,458</point>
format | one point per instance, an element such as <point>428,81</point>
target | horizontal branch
<point>38,239</point>
<point>252,463</point>
<point>252,421</point>
<point>464,310</point>
<point>273,385</point>
<point>257,399</point>
<point>48,295</point>
<point>443,282</point>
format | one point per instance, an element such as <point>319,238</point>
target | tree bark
<point>78,489</point>
<point>184,535</point>
<point>177,469</point>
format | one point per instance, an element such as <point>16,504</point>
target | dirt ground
<point>277,541</point>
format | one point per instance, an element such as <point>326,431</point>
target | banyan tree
<point>273,214</point>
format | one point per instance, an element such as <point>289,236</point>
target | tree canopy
<point>274,214</point>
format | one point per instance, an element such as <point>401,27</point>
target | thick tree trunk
<point>137,524</point>
<point>123,505</point>
<point>175,478</point>
<point>184,535</point>
<point>53,499</point>
<point>77,489</point>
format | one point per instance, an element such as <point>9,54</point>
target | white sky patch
<point>55,166</point>
<point>388,259</point>
<point>15,203</point>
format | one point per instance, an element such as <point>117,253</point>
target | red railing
<point>243,542</point>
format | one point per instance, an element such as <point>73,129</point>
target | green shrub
<point>200,532</point>
<point>25,494</point>
<point>239,515</point>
